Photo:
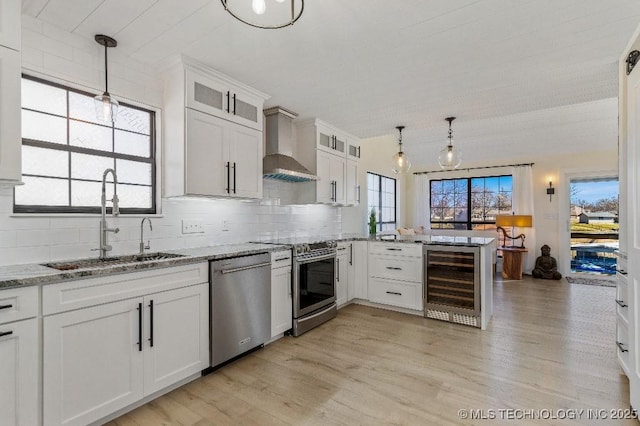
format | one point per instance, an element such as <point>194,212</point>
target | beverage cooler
<point>452,284</point>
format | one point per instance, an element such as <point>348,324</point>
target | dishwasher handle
<point>244,268</point>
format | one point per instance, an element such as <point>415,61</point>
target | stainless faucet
<point>142,246</point>
<point>104,227</point>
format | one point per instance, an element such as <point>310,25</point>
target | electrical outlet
<point>192,226</point>
<point>225,225</point>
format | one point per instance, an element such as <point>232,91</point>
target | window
<point>65,151</point>
<point>470,203</point>
<point>382,198</point>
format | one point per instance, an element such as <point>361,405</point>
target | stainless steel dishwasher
<point>240,305</point>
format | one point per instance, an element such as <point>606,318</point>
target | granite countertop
<point>417,239</point>
<point>35,274</point>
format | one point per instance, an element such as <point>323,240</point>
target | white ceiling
<point>522,76</point>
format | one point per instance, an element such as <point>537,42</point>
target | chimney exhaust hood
<point>278,162</point>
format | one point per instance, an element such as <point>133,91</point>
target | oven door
<point>314,284</point>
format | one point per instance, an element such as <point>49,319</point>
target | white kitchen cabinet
<point>342,274</point>
<point>177,336</point>
<point>395,274</point>
<point>337,178</point>
<point>358,270</point>
<point>353,148</point>
<point>222,158</point>
<point>19,369</point>
<point>281,299</point>
<point>110,341</point>
<point>210,151</point>
<point>93,366</point>
<point>10,104</point>
<point>216,94</point>
<point>352,187</point>
<point>10,24</point>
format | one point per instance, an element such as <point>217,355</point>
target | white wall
<point>50,52</point>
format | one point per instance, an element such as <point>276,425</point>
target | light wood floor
<point>550,345</point>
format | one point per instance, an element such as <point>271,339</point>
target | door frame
<point>564,224</point>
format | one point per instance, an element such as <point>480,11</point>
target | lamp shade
<point>514,220</point>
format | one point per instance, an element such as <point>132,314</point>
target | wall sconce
<point>550,190</point>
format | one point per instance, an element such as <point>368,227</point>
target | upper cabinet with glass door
<point>219,96</point>
<point>330,139</point>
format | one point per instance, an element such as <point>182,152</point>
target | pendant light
<point>106,105</point>
<point>401,163</point>
<point>450,157</point>
<point>280,16</point>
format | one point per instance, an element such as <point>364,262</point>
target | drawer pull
<point>5,333</point>
<point>394,249</point>
<point>621,303</point>
<point>6,306</point>
<point>394,293</point>
<point>281,259</point>
<point>621,272</point>
<point>621,347</point>
<point>394,268</point>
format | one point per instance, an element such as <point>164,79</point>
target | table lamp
<point>513,221</point>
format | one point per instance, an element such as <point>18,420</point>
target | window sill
<point>96,215</point>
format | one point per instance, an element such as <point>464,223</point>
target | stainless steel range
<point>313,281</point>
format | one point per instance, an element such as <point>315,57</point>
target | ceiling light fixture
<point>106,105</point>
<point>279,17</point>
<point>401,163</point>
<point>450,157</point>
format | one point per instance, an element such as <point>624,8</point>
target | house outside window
<point>381,196</point>
<point>66,149</point>
<point>470,203</point>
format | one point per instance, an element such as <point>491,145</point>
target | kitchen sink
<point>110,261</point>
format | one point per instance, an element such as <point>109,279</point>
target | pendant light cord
<point>106,71</point>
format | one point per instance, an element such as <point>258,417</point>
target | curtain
<point>523,204</point>
<point>422,202</point>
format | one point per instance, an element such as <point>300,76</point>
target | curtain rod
<point>474,168</point>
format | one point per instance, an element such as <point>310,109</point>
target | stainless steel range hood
<point>278,162</point>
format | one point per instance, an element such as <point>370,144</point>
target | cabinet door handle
<point>228,188</point>
<point>351,254</point>
<point>281,259</point>
<point>395,293</point>
<point>5,333</point>
<point>234,104</point>
<point>358,187</point>
<point>139,327</point>
<point>621,347</point>
<point>234,177</point>
<point>358,157</point>
<point>394,268</point>
<point>5,307</point>
<point>621,303</point>
<point>151,323</point>
<point>621,272</point>
<point>338,268</point>
<point>394,249</point>
<point>228,100</point>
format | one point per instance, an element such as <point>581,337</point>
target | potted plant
<point>372,222</point>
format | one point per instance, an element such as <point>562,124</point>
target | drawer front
<point>622,343</point>
<point>95,291</point>
<point>396,249</point>
<point>396,268</point>
<point>388,292</point>
<point>18,303</point>
<point>622,299</point>
<point>280,259</point>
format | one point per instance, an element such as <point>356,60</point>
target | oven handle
<point>315,259</point>
<point>244,268</point>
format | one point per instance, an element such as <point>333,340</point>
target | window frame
<point>152,160</point>
<point>469,223</point>
<point>379,223</point>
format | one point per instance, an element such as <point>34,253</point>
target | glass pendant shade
<point>106,107</point>
<point>450,157</point>
<point>401,163</point>
<point>265,14</point>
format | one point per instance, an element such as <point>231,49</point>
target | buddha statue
<point>546,266</point>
